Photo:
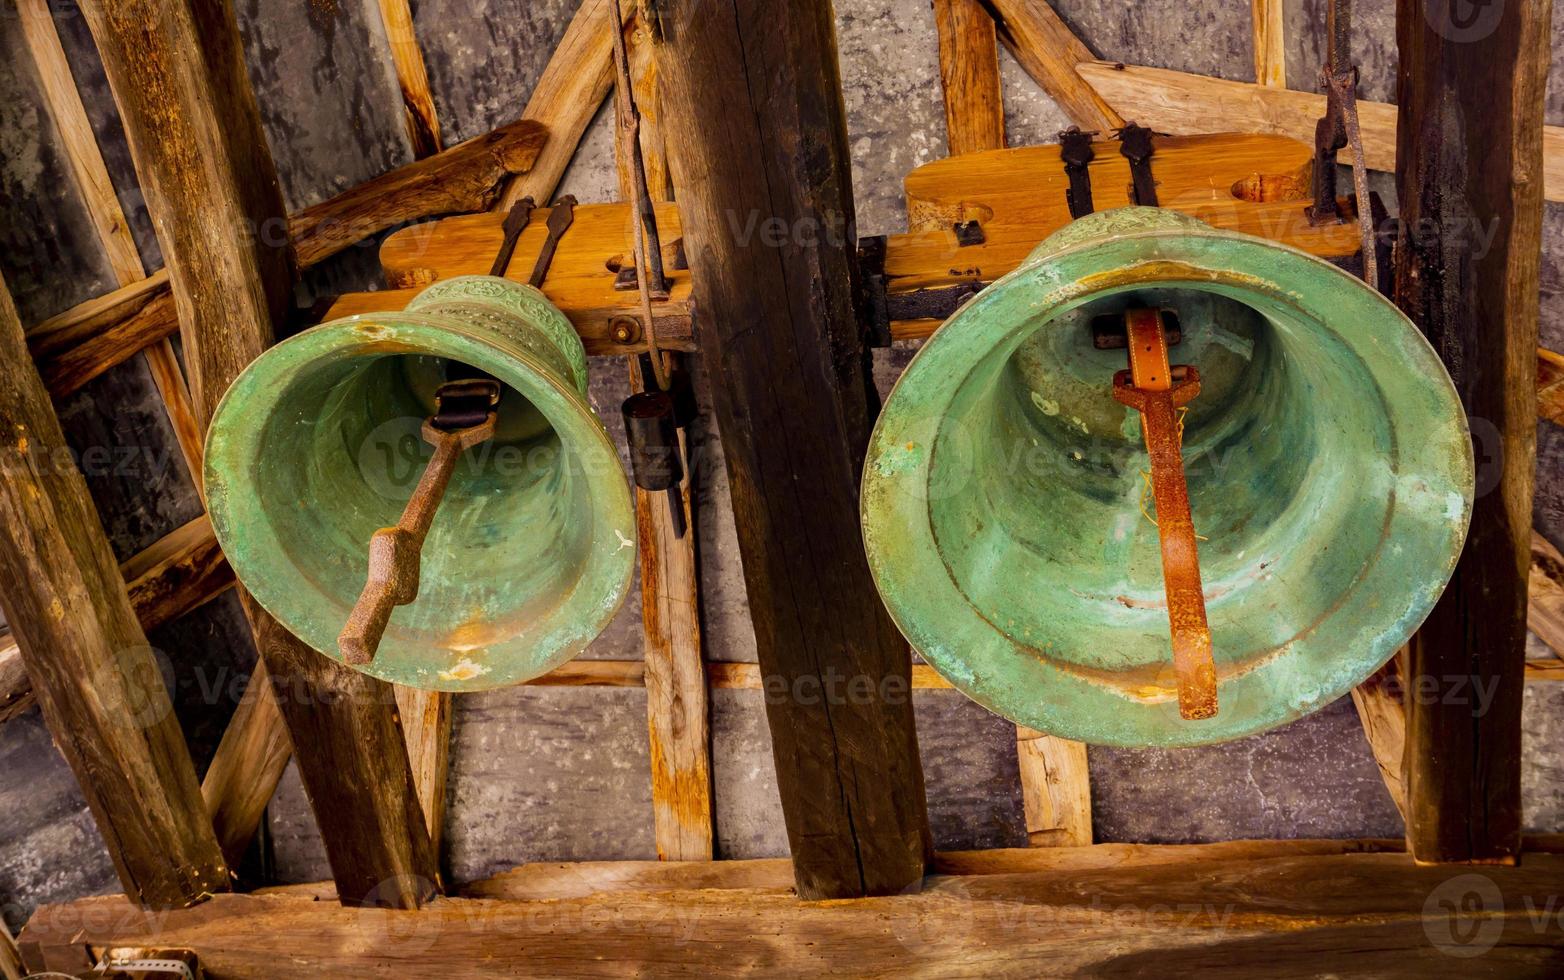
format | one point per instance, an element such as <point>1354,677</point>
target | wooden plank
<point>247,766</point>
<point>791,394</point>
<point>677,713</point>
<point>426,727</point>
<point>195,135</point>
<point>466,177</point>
<point>16,688</point>
<point>76,346</point>
<point>76,136</point>
<point>1545,595</point>
<point>1178,102</point>
<point>10,957</point>
<point>95,676</point>
<point>423,128</point>
<point>1471,151</point>
<point>1303,915</point>
<point>1049,51</point>
<point>1383,714</point>
<point>1550,386</point>
<point>969,76</point>
<point>1055,789</point>
<point>163,364</point>
<point>574,83</point>
<point>1270,43</point>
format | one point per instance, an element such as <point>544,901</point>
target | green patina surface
<point>1329,463</point>
<point>317,445</point>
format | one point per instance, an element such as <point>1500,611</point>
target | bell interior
<point>513,530</point>
<point>1043,513</point>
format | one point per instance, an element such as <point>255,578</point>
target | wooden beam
<point>1470,152</point>
<point>1178,102</point>
<point>467,177</point>
<point>969,76</point>
<point>1309,914</point>
<point>1550,386</point>
<point>574,83</point>
<point>1270,43</point>
<point>248,764</point>
<point>1049,51</point>
<point>1545,595</point>
<point>1382,712</point>
<point>753,107</point>
<point>177,71</point>
<point>426,727</point>
<point>76,136</point>
<point>1055,789</point>
<point>677,712</point>
<point>10,956</point>
<point>423,128</point>
<point>96,679</point>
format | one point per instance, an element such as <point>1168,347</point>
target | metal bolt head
<point>624,329</point>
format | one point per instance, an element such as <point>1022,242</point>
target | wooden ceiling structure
<point>852,794</point>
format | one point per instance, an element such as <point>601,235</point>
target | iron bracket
<point>878,308</point>
<point>1135,143</point>
<point>1075,149</point>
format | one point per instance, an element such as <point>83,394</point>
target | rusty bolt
<point>625,329</point>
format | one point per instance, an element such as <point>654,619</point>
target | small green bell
<point>317,446</point>
<point>1007,505</point>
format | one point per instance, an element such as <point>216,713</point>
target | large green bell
<point>316,446</point>
<point>1006,508</point>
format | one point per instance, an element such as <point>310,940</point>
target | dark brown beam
<point>176,68</point>
<point>97,681</point>
<point>752,103</point>
<point>1469,160</point>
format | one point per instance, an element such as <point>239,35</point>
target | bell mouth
<point>1011,532</point>
<point>318,445</point>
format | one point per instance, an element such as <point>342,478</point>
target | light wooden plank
<point>1055,789</point>
<point>574,83</point>
<point>426,725</point>
<point>423,128</point>
<point>1049,51</point>
<point>969,76</point>
<point>1550,386</point>
<point>1270,42</point>
<point>10,957</point>
<point>1545,599</point>
<point>1382,712</point>
<point>1178,102</point>
<point>81,145</point>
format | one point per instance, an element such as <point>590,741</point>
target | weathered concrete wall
<point>562,773</point>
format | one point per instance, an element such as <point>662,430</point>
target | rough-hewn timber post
<point>95,676</point>
<point>1469,166</point>
<point>178,75</point>
<point>752,107</point>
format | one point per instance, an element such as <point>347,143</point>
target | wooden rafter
<point>969,76</point>
<point>195,135</point>
<point>1178,102</point>
<point>423,127</point>
<point>677,712</point>
<point>96,679</point>
<point>1049,51</point>
<point>1270,43</point>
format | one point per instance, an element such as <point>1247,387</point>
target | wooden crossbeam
<point>1049,51</point>
<point>96,680</point>
<point>1179,102</point>
<point>423,127</point>
<point>969,76</point>
<point>1249,907</point>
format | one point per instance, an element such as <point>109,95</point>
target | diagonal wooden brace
<point>1158,390</point>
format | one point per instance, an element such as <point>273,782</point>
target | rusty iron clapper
<point>428,495</point>
<point>1104,542</point>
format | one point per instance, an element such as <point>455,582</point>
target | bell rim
<point>612,568</point>
<point>923,587</point>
